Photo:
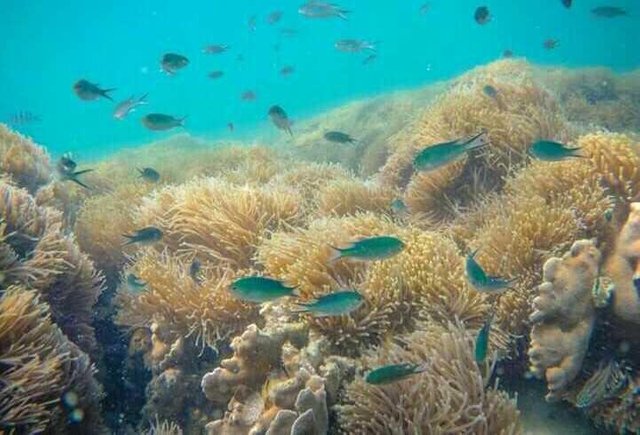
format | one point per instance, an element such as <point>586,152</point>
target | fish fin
<point>336,254</point>
<point>299,308</point>
<point>131,239</point>
<point>421,368</point>
<point>342,14</point>
<point>105,93</point>
<point>472,254</point>
<point>143,98</point>
<point>84,171</point>
<point>182,120</point>
<point>289,131</point>
<point>473,143</point>
<point>141,172</point>
<point>75,180</point>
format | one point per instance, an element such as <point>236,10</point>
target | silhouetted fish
<point>248,96</point>
<point>280,119</point>
<point>215,74</point>
<point>354,45</point>
<point>23,117</point>
<point>128,106</point>
<point>274,17</point>
<point>160,121</point>
<point>287,70</point>
<point>318,9</point>
<point>172,62</point>
<point>608,11</point>
<point>215,49</point>
<point>567,3</point>
<point>482,15</point>
<point>550,44</point>
<point>87,91</point>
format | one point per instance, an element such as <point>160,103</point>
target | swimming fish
<point>507,54</point>
<point>482,341</point>
<point>194,271</point>
<point>215,49</point>
<point>23,117</point>
<point>354,45</point>
<point>332,304</point>
<point>129,105</point>
<point>149,174</point>
<point>436,156</point>
<point>550,151</point>
<point>214,75</point>
<point>369,59</point>
<point>398,207</point>
<point>134,283</point>
<point>608,11</point>
<point>287,70</point>
<point>425,8</point>
<point>274,17</point>
<point>318,9</point>
<point>280,119</point>
<point>248,96</point>
<point>371,248</point>
<point>87,91</point>
<point>67,169</point>
<point>230,126</point>
<point>160,121</point>
<point>144,236</point>
<point>393,373</point>
<point>260,289</point>
<point>567,3</point>
<point>482,15</point>
<point>550,44</point>
<point>288,32</point>
<point>478,278</point>
<point>172,62</point>
<point>338,137</point>
<point>490,91</point>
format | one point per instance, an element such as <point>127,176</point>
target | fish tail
<point>182,120</point>
<point>342,14</point>
<point>473,143</point>
<point>105,93</point>
<point>289,130</point>
<point>75,180</point>
<point>575,152</point>
<point>336,254</point>
<point>84,171</point>
<point>130,239</point>
<point>143,98</point>
<point>299,308</point>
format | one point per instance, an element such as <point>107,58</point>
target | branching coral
<point>26,163</point>
<point>34,252</point>
<point>39,369</point>
<point>449,397</point>
<point>204,312</point>
<point>563,316</point>
<point>218,221</point>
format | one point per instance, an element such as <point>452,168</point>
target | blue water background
<point>46,45</point>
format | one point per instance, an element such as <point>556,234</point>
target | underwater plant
<point>26,163</point>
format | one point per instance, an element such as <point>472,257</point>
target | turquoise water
<point>47,46</point>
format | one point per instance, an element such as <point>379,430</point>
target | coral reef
<point>46,382</point>
<point>350,196</point>
<point>26,163</point>
<point>449,397</point>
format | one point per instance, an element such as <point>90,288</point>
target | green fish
<point>439,155</point>
<point>371,248</point>
<point>135,284</point>
<point>162,122</point>
<point>144,236</point>
<point>550,151</point>
<point>393,373</point>
<point>482,341</point>
<point>149,174</point>
<point>333,304</point>
<point>260,289</point>
<point>398,206</point>
<point>478,278</point>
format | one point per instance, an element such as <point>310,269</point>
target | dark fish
<point>280,119</point>
<point>482,341</point>
<point>260,289</point>
<point>550,151</point>
<point>425,8</point>
<point>172,62</point>
<point>354,45</point>
<point>287,70</point>
<point>215,49</point>
<point>369,59</point>
<point>160,122</point>
<point>144,236</point>
<point>274,17</point>
<point>371,248</point>
<point>248,96</point>
<point>194,271</point>
<point>479,280</point>
<point>128,106</point>
<point>550,44</point>
<point>393,373</point>
<point>338,137</point>
<point>438,155</point>
<point>608,11</point>
<point>230,126</point>
<point>87,91</point>
<point>215,74</point>
<point>482,15</point>
<point>149,174</point>
<point>135,284</point>
<point>333,304</point>
<point>252,22</point>
<point>318,9</point>
<point>490,91</point>
<point>567,3</point>
<point>507,54</point>
<point>67,169</point>
<point>23,118</point>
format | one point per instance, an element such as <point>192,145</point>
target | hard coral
<point>563,317</point>
<point>41,370</point>
<point>26,163</point>
<point>217,221</point>
<point>36,253</point>
<point>448,397</point>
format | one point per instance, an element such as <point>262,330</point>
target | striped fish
<point>23,117</point>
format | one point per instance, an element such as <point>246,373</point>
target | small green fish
<point>338,137</point>
<point>550,151</point>
<point>333,304</point>
<point>478,278</point>
<point>371,248</point>
<point>135,284</point>
<point>149,174</point>
<point>260,289</point>
<point>144,236</point>
<point>398,207</point>
<point>439,155</point>
<point>482,341</point>
<point>393,373</point>
<point>490,91</point>
<point>161,122</point>
<point>172,62</point>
